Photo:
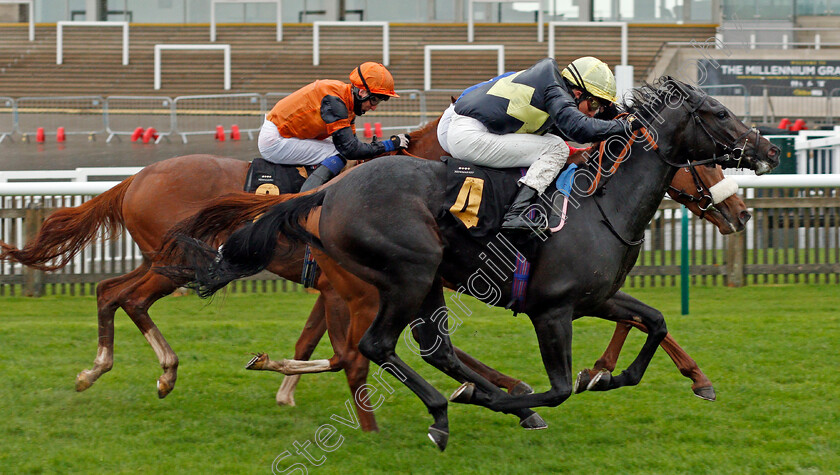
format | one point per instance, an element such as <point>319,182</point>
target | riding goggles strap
<point>573,70</point>
<point>362,77</point>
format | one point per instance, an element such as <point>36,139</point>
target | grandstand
<point>261,64</point>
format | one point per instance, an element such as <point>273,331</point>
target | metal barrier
<point>833,104</point>
<point>405,113</point>
<point>195,115</point>
<point>123,114</point>
<point>7,117</point>
<point>818,152</point>
<point>79,115</point>
<point>187,115</point>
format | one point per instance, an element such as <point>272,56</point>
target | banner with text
<point>782,77</point>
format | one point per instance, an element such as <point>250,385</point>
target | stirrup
<point>520,223</point>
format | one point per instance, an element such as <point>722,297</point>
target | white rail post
<point>427,58</point>
<point>471,19</point>
<point>316,37</point>
<point>213,4</point>
<point>184,47</point>
<point>59,36</point>
<point>607,24</point>
<point>31,4</point>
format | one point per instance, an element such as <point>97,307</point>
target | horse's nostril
<point>744,216</point>
<point>773,152</point>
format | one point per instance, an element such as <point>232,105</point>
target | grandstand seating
<point>92,61</point>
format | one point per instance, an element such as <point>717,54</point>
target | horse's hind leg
<point>136,300</point>
<point>312,332</point>
<point>107,293</point>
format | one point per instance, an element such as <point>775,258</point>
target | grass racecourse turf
<point>771,351</point>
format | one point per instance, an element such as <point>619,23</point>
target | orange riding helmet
<point>374,78</point>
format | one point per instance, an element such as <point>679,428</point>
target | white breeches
<point>443,127</point>
<point>544,155</point>
<point>291,151</point>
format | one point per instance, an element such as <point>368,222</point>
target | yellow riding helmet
<point>597,77</point>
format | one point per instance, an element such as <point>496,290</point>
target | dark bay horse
<point>710,196</point>
<point>578,271</point>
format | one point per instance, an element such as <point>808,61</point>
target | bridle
<point>730,152</point>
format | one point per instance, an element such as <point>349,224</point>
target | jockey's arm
<point>335,115</point>
<point>577,126</point>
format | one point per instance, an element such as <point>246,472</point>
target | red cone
<point>138,132</point>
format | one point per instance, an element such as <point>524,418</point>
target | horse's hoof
<point>285,400</point>
<point>439,437</point>
<point>707,393</point>
<point>582,381</point>
<point>257,362</point>
<point>533,422</point>
<point>522,388</point>
<point>600,382</point>
<point>82,381</point>
<point>164,389</point>
<point>463,394</point>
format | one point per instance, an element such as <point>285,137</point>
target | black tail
<point>251,248</point>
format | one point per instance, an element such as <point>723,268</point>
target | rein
<point>732,151</point>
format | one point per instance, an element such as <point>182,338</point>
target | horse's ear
<point>453,99</point>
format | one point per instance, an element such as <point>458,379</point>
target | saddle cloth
<point>266,178</point>
<point>478,197</point>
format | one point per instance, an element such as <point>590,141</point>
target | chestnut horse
<point>149,203</point>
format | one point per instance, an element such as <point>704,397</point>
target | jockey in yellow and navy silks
<point>297,128</point>
<point>523,119</point>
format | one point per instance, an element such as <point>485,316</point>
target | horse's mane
<point>649,98</point>
<point>646,102</point>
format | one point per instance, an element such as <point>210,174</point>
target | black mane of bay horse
<point>380,223</point>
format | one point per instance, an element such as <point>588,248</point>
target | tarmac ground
<point>79,151</point>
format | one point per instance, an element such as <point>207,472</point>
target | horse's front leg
<point>700,383</point>
<point>554,333</point>
<point>624,307</point>
<point>435,348</point>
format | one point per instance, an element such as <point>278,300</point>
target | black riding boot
<point>321,175</point>
<point>516,218</point>
<point>329,168</point>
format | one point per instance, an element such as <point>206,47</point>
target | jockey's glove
<point>634,123</point>
<point>400,141</point>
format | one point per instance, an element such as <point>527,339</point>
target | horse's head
<point>711,133</point>
<point>710,195</point>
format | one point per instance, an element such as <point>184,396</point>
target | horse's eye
<point>721,115</point>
